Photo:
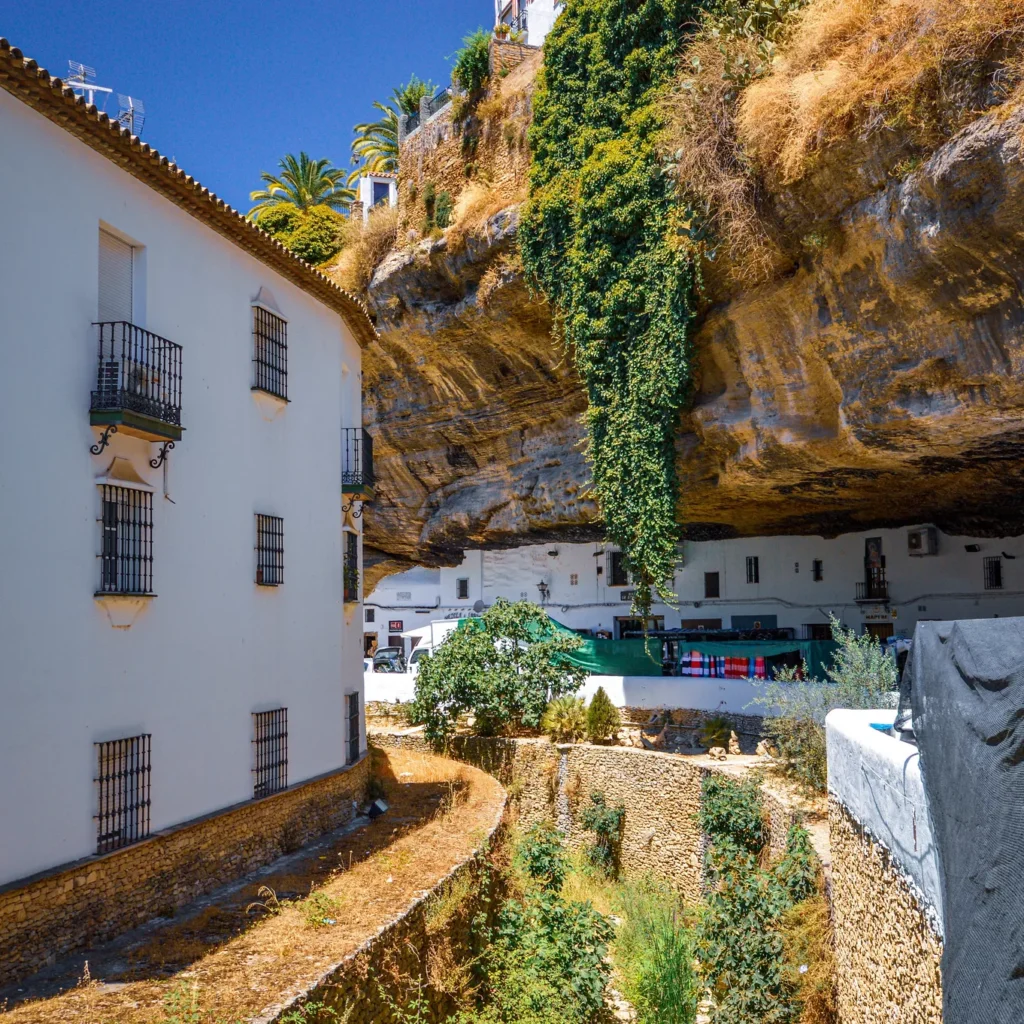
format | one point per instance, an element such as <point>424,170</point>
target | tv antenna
<point>132,113</point>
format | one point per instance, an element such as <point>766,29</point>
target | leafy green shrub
<point>606,823</point>
<point>715,731</point>
<point>732,814</point>
<point>319,910</point>
<point>565,719</point>
<point>280,221</point>
<point>654,952</point>
<point>504,667</point>
<point>797,870</point>
<point>542,855</point>
<point>472,61</point>
<point>603,238</point>
<point>318,236</point>
<point>602,717</point>
<point>443,210</point>
<point>862,675</point>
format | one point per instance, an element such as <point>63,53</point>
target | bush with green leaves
<point>565,719</point>
<point>604,237</point>
<point>542,856</point>
<point>443,210</point>
<point>473,62</point>
<point>503,667</point>
<point>602,717</point>
<point>314,235</point>
<point>862,675</point>
<point>606,824</point>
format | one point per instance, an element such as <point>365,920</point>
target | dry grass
<point>807,933</point>
<point>477,203</point>
<point>502,271</point>
<point>853,67</point>
<point>243,964</point>
<point>364,245</point>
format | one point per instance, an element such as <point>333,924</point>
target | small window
<point>350,571</point>
<point>711,587</point>
<point>270,752</point>
<point>381,192</point>
<point>116,282</point>
<point>122,784</point>
<point>817,570</point>
<point>126,546</point>
<point>369,615</point>
<point>753,569</point>
<point>617,575</point>
<point>574,579</point>
<point>462,589</point>
<point>270,352</point>
<point>352,702</point>
<point>269,551</point>
<point>993,574</point>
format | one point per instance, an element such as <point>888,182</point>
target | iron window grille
<point>993,573</point>
<point>269,550</point>
<point>753,569</point>
<point>122,786</point>
<point>357,458</point>
<point>352,702</point>
<point>270,353</point>
<point>618,577</point>
<point>270,752</point>
<point>817,570</point>
<point>711,584</point>
<point>462,590</point>
<point>139,372</point>
<point>350,570</point>
<point>126,547</point>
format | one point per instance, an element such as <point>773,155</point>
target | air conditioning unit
<point>924,541</point>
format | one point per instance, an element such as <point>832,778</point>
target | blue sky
<point>231,86</point>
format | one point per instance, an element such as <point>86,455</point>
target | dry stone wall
<point>888,955</point>
<point>101,897</point>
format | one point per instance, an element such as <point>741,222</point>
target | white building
<point>534,18</point>
<point>879,581</point>
<point>174,633</point>
<point>372,190</point>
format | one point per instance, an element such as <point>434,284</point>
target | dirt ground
<point>234,956</point>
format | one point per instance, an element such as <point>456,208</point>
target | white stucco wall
<point>877,778</point>
<point>212,647</point>
<point>948,585</point>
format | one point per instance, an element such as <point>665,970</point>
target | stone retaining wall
<point>98,898</point>
<point>888,955</point>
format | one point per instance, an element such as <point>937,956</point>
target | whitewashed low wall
<point>722,695</point>
<point>877,779</point>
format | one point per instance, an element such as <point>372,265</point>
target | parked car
<point>389,659</point>
<point>417,656</point>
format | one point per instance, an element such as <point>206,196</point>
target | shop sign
<point>396,626</point>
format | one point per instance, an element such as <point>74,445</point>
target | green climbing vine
<point>604,238</point>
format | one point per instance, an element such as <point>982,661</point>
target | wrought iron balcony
<point>874,591</point>
<point>138,383</point>
<point>357,462</point>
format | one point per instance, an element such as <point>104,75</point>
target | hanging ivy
<point>604,239</point>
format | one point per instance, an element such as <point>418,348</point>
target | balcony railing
<point>356,461</point>
<point>138,382</point>
<point>875,590</point>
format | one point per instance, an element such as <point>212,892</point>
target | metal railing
<point>873,590</point>
<point>438,101</point>
<point>138,371</point>
<point>356,458</point>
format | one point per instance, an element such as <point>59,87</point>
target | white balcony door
<point>115,285</point>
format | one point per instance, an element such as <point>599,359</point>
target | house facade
<point>181,616</point>
<point>534,18</point>
<point>373,190</point>
<point>879,581</point>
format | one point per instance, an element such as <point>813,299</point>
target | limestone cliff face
<point>876,383</point>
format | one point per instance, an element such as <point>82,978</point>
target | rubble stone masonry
<point>888,955</point>
<point>96,899</point>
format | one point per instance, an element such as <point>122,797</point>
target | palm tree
<point>375,147</point>
<point>303,184</point>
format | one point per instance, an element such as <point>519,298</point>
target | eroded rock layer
<point>877,383</point>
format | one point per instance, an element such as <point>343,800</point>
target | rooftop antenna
<point>132,114</point>
<point>82,79</point>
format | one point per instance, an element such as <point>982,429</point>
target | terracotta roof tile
<point>55,99</point>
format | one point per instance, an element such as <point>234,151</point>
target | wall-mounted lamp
<point>543,588</point>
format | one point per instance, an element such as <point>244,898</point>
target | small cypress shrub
<point>602,717</point>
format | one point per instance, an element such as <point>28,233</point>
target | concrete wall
<point>212,647</point>
<point>886,894</point>
<point>944,586</point>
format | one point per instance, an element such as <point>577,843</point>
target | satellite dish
<point>132,114</point>
<point>478,606</point>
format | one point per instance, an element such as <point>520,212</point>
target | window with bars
<point>369,614</point>
<point>711,584</point>
<point>350,569</point>
<point>126,543</point>
<point>269,550</point>
<point>462,590</point>
<point>352,708</point>
<point>993,573</point>
<point>817,570</point>
<point>270,352</point>
<point>270,752</point>
<point>753,569</point>
<point>122,788</point>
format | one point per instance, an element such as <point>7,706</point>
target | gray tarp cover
<point>967,686</point>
